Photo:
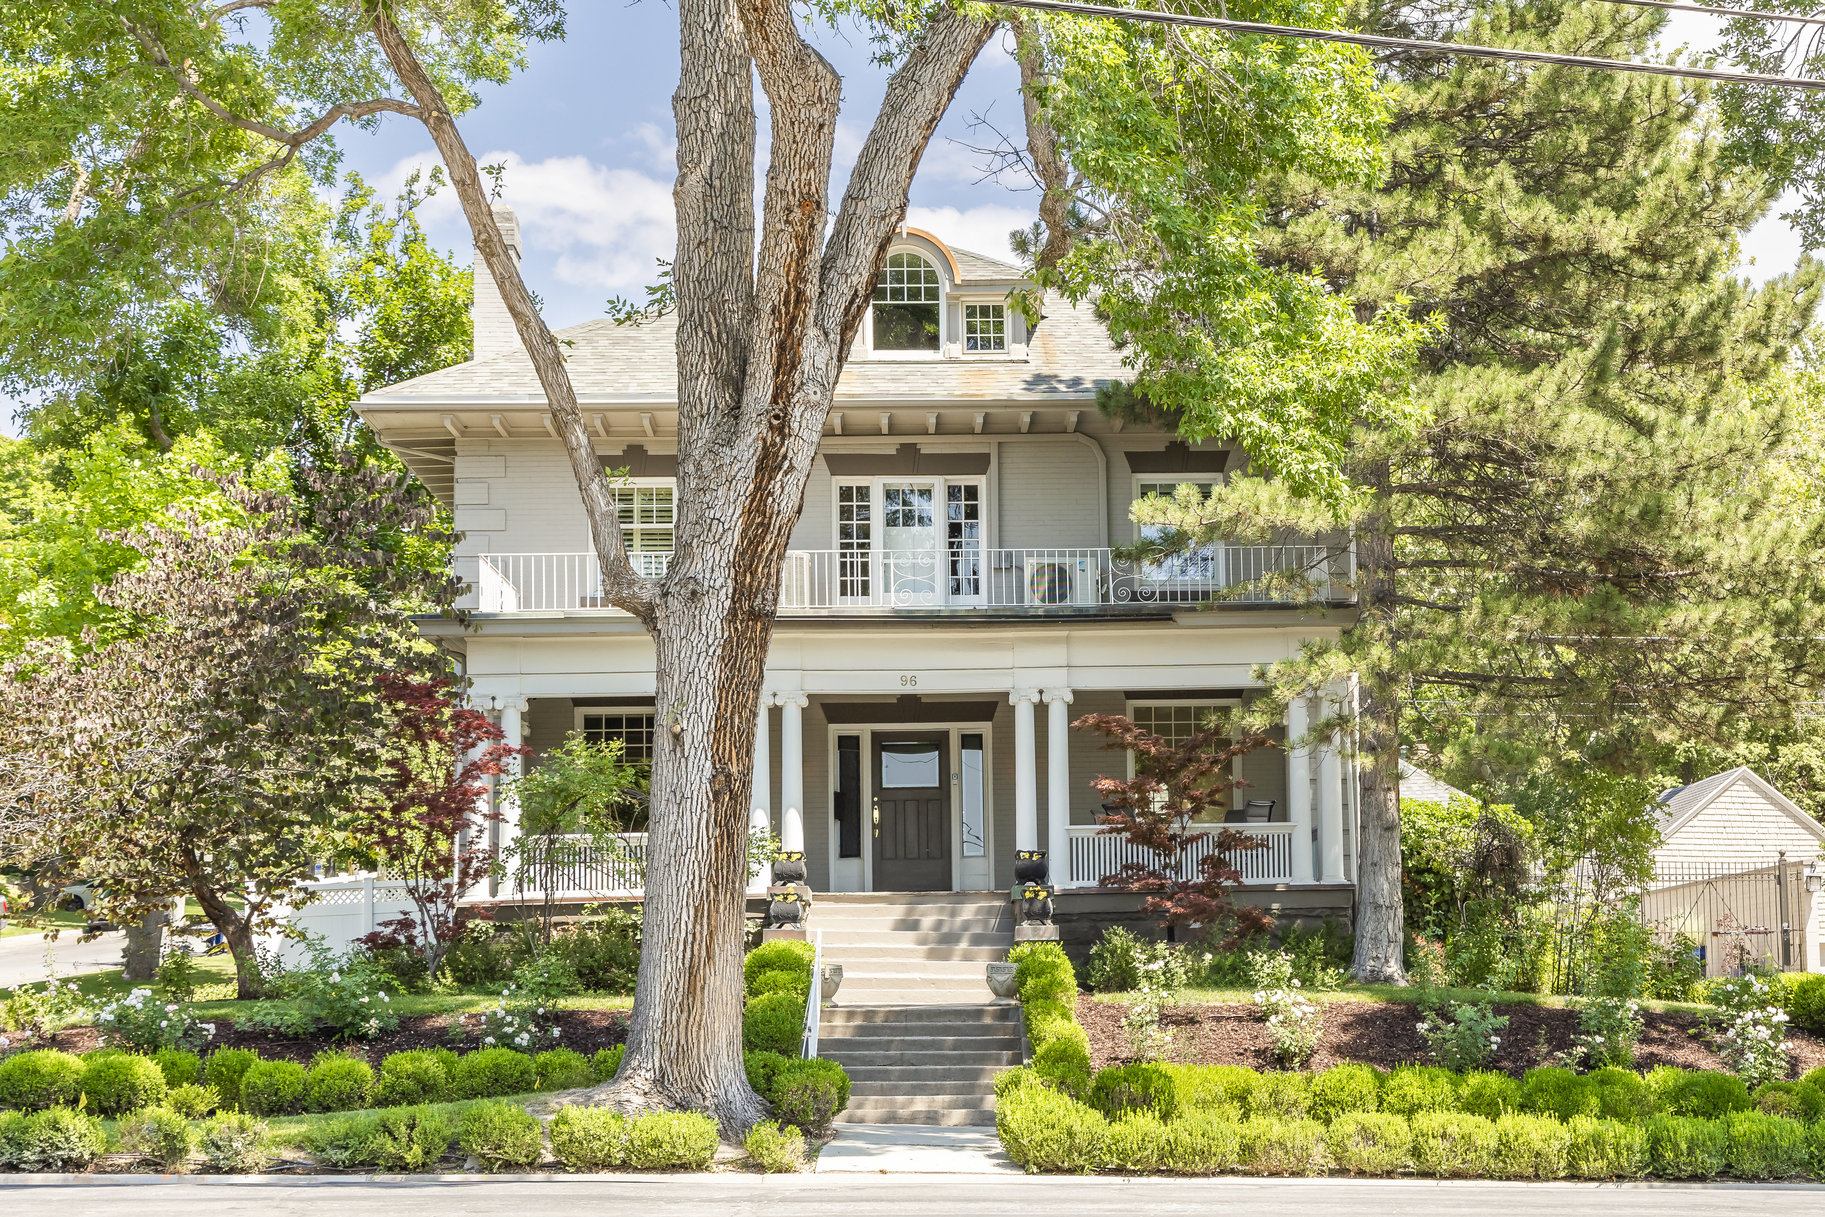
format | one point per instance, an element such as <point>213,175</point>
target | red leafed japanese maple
<point>1186,868</point>
<point>430,825</point>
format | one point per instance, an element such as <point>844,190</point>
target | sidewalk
<point>22,956</point>
<point>914,1149</point>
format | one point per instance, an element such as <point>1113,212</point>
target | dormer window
<point>907,299</point>
<point>985,327</point>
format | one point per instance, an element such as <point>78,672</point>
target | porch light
<point>1814,880</point>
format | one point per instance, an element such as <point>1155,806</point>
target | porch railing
<point>1095,854</point>
<point>962,577</point>
<point>581,867</point>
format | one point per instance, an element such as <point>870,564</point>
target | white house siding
<point>533,505</point>
<point>1739,826</point>
<point>1040,482</point>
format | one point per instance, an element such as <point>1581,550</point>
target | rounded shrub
<point>1140,1087</point>
<point>1680,1147</point>
<point>1604,1149</point>
<point>810,1093</point>
<point>1044,1130</point>
<point>500,1136</point>
<point>1135,1144</point>
<point>1411,1089</point>
<point>1344,1090</point>
<point>492,1072</point>
<point>160,1135</point>
<point>606,1063</point>
<point>775,1150</point>
<point>179,1067</point>
<point>1064,1061</point>
<point>589,1139</point>
<point>1213,1088</point>
<point>1806,1002</point>
<point>407,1138</point>
<point>562,1069</point>
<point>1529,1147</point>
<point>1815,1077</point>
<point>762,1068</point>
<point>342,1141</point>
<point>1452,1144</point>
<point>1796,1100</point>
<point>1044,973</point>
<point>233,1143</point>
<point>1279,1096</point>
<point>1272,1146</point>
<point>224,1070</point>
<point>781,956</point>
<point>1560,1093</point>
<point>1622,1094</point>
<point>1708,1096</point>
<point>58,1139</point>
<point>116,1083</point>
<point>12,1139</point>
<point>1202,1142</point>
<point>774,1022</point>
<point>672,1141</point>
<point>407,1079</point>
<point>336,1082</point>
<point>780,981</point>
<point>1488,1094</point>
<point>191,1101</point>
<point>39,1079</point>
<point>1010,1080</point>
<point>1370,1143</point>
<point>273,1088</point>
<point>1663,1081</point>
<point>1758,1146</point>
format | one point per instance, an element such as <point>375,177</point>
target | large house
<point>952,600</point>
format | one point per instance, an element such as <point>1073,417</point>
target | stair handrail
<point>814,1001</point>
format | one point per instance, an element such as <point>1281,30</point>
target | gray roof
<point>1416,783</point>
<point>1679,805</point>
<point>972,267</point>
<point>1069,353</point>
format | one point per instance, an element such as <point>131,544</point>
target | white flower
<point>164,1022</point>
<point>1295,982</point>
<point>1421,1026</point>
<point>364,1001</point>
<point>385,998</point>
<point>488,1039</point>
<point>171,1007</point>
<point>335,977</point>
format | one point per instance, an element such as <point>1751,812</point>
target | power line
<point>1419,44</point>
<point>1755,13</point>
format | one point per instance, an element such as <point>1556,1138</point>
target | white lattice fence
<point>1095,854</point>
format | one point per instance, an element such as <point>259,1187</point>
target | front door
<point>912,812</point>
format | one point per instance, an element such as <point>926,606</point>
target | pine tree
<point>1580,560</point>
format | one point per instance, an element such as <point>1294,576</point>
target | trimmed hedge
<point>774,1022</point>
<point>115,1083</point>
<point>780,966</point>
<point>492,1072</point>
<point>40,1079</point>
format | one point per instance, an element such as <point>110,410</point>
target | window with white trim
<point>985,327</point>
<point>634,728</point>
<point>908,298</point>
<point>1178,721</point>
<point>1199,563</point>
<point>648,518</point>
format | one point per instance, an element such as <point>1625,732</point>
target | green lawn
<point>1392,993</point>
<point>69,923</point>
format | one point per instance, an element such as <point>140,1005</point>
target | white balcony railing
<point>842,581</point>
<point>1095,854</point>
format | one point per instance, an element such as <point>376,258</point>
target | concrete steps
<point>913,948</point>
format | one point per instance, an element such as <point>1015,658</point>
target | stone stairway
<point>914,1025</point>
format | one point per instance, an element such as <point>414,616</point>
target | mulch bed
<point>1386,1034</point>
<point>586,1031</point>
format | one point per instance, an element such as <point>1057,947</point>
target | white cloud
<point>983,229</point>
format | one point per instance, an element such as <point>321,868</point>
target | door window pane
<point>854,535</point>
<point>849,796</point>
<point>963,538</point>
<point>974,839</point>
<point>909,766</point>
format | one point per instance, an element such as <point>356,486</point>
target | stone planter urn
<point>1030,866</point>
<point>789,867</point>
<point>1002,981</point>
<point>785,911</point>
<point>830,981</point>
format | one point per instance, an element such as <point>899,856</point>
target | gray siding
<point>1046,495</point>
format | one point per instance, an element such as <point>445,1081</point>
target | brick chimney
<point>494,332</point>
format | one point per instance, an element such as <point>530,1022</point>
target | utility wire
<point>1419,44</point>
<point>1755,13</point>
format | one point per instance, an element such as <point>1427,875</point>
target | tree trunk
<point>1380,927</point>
<point>236,931</point>
<point>145,942</point>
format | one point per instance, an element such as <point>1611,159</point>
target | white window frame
<point>580,712</point>
<point>945,295</point>
<point>1007,335</point>
<point>941,519</point>
<point>1200,703</point>
<point>647,483</point>
<point>1219,552</point>
<point>872,731</point>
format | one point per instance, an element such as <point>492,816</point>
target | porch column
<point>760,801</point>
<point>506,803</point>
<point>1058,786</point>
<point>1026,793</point>
<point>792,770</point>
<point>1299,786</point>
<point>1330,794</point>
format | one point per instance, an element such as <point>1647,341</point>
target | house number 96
<point>909,681</point>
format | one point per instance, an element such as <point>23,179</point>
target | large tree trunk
<point>1380,927</point>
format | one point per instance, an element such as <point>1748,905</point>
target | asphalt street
<point>738,1195</point>
<point>22,956</point>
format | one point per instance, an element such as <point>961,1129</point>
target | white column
<point>1299,785</point>
<point>760,817</point>
<point>513,735</point>
<point>1330,794</point>
<point>1026,783</point>
<point>1058,786</point>
<point>792,770</point>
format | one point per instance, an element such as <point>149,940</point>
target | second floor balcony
<point>839,582</point>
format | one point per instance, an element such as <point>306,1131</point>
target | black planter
<point>1030,866</point>
<point>1036,905</point>
<point>785,911</point>
<point>789,867</point>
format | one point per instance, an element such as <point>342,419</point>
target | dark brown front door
<point>912,812</point>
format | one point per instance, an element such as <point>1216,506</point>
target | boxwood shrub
<point>778,966</point>
<point>1707,1096</point>
<point>500,1136</point>
<point>273,1088</point>
<point>179,1067</point>
<point>1279,1096</point>
<point>1560,1093</point>
<point>1202,1143</point>
<point>1135,1143</point>
<point>589,1139</point>
<point>1622,1094</point>
<point>562,1069</point>
<point>115,1083</point>
<point>607,1063</point>
<point>492,1072</point>
<point>1143,1087</point>
<point>420,1075</point>
<point>1213,1087</point>
<point>1044,973</point>
<point>1796,1100</point>
<point>774,1022</point>
<point>1758,1146</point>
<point>810,1093</point>
<point>39,1079</point>
<point>672,1140</point>
<point>1604,1149</point>
<point>1370,1143</point>
<point>1044,1130</point>
<point>58,1139</point>
<point>1452,1144</point>
<point>337,1082</point>
<point>1488,1094</point>
<point>1344,1090</point>
<point>224,1070</point>
<point>1680,1147</point>
<point>1411,1089</point>
<point>1529,1147</point>
<point>1273,1146</point>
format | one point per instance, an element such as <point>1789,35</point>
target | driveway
<point>741,1195</point>
<point>22,956</point>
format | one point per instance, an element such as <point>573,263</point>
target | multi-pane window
<point>1193,564</point>
<point>1178,722</point>
<point>854,539</point>
<point>906,506</point>
<point>634,728</point>
<point>963,537</point>
<point>647,521</point>
<point>907,298</point>
<point>985,327</point>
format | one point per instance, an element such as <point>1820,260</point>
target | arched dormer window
<point>907,300</point>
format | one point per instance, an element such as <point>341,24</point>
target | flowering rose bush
<point>1154,990</point>
<point>343,994</point>
<point>40,1009</point>
<point>1608,1030</point>
<point>1751,1031</point>
<point>515,1022</point>
<point>145,1024</point>
<point>1464,1036</point>
<point>1294,1021</point>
